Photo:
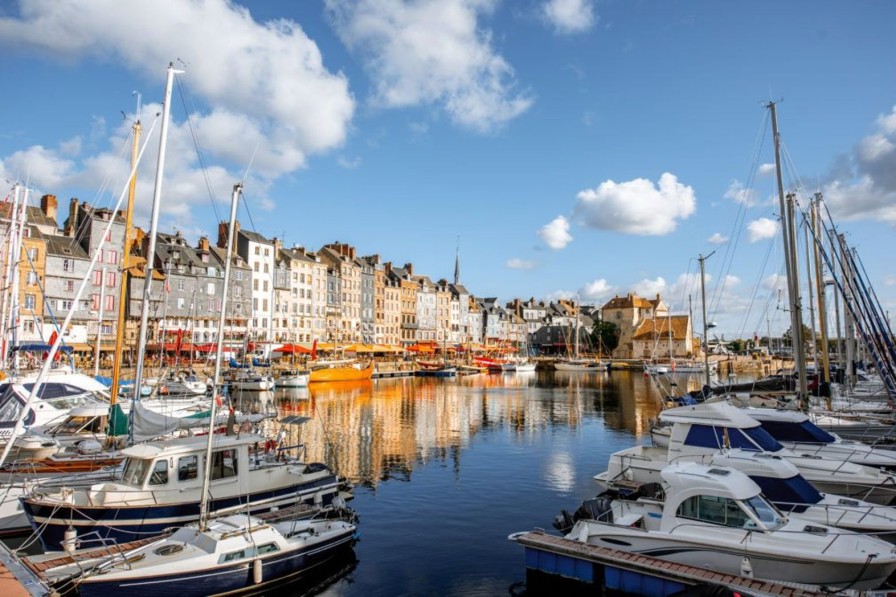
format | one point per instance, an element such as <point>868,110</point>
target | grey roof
<point>255,237</point>
<point>63,246</point>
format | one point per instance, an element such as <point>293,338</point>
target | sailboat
<point>576,363</point>
<point>232,553</point>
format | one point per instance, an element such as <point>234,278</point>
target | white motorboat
<point>292,379</point>
<point>779,480</point>
<point>55,398</point>
<point>248,380</point>
<point>716,517</point>
<point>795,431</point>
<point>690,432</point>
<point>233,554</point>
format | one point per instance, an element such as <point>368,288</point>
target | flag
<point>314,350</point>
<point>180,340</point>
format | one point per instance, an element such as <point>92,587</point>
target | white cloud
<point>761,229</point>
<point>570,16</point>
<point>637,206</point>
<point>650,288</point>
<point>737,193</point>
<point>432,52</point>
<point>717,238</point>
<point>774,282</point>
<point>766,169</point>
<point>555,233</point>
<point>558,295</point>
<point>596,289</point>
<point>520,264</point>
<point>263,84</point>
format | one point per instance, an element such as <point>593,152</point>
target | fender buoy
<point>218,401</point>
<point>270,445</point>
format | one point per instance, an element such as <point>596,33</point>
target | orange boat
<point>341,373</point>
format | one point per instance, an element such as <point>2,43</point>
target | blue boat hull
<point>123,524</point>
<point>233,579</point>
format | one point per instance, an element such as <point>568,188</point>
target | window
<point>65,305</point>
<point>30,302</point>
<point>181,284</point>
<point>224,464</point>
<point>95,302</point>
<point>68,265</point>
<point>32,279</point>
<point>237,292</point>
<point>211,289</point>
<point>713,509</point>
<point>32,254</point>
<point>258,250</point>
<point>97,278</point>
<point>110,304</point>
<point>159,474</point>
<point>110,279</point>
<point>111,256</point>
<point>187,468</point>
<point>69,285</point>
<point>28,326</point>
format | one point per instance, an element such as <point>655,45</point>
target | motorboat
<point>690,432</point>
<point>160,485</point>
<point>779,480</point>
<point>232,554</point>
<point>292,379</point>
<point>716,517</point>
<point>55,398</point>
<point>795,431</point>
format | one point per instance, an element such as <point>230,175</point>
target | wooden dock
<point>635,574</point>
<point>16,580</point>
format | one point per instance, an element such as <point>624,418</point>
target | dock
<point>16,580</point>
<point>554,557</point>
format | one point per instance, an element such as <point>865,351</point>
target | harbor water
<point>445,470</point>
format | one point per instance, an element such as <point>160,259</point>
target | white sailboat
<point>575,363</point>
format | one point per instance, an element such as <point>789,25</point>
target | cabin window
<point>187,468</point>
<point>159,474</point>
<point>224,464</point>
<point>135,471</point>
<point>713,509</point>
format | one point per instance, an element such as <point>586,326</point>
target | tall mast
<point>9,264</point>
<point>125,269</point>
<point>786,207</point>
<point>702,260</point>
<point>825,388</point>
<point>203,502</point>
<point>153,231</point>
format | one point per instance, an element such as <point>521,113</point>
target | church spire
<point>457,263</point>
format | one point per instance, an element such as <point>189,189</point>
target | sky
<point>563,148</point>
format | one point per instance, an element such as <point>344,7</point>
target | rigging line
<point>755,292</point>
<point>727,262</point>
<point>182,91</point>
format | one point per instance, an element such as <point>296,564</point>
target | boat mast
<point>825,389</point>
<point>702,259</point>
<point>9,266</point>
<point>203,503</point>
<point>796,319</point>
<point>153,231</point>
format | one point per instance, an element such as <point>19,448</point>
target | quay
<point>552,558</point>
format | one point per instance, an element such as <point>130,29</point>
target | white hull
<point>292,381</point>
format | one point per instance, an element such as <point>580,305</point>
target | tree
<point>605,335</point>
<point>787,336</point>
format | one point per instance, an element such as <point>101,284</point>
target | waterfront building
<point>368,300</point>
<point>391,311</point>
<point>404,277</point>
<point>344,311</point>
<point>239,300</point>
<point>660,337</point>
<point>258,252</point>
<point>475,320</point>
<point>447,314</point>
<point>494,321</point>
<point>299,303</point>
<point>627,313</point>
<point>427,319</point>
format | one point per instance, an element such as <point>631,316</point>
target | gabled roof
<point>650,329</point>
<point>630,301</point>
<point>254,237</point>
<point>63,246</point>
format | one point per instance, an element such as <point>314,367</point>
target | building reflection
<point>376,430</point>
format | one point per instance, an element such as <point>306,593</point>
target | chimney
<point>49,206</point>
<point>410,268</point>
<point>223,229</point>
<point>278,246</point>
<point>71,224</point>
<point>387,267</point>
<point>203,244</point>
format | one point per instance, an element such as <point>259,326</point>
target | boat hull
<point>235,579</point>
<point>715,555</point>
<point>130,523</point>
<point>341,374</point>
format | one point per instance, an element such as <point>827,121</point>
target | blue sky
<point>573,147</point>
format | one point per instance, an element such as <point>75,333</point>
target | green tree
<point>605,336</point>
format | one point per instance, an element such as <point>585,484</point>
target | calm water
<point>445,470</point>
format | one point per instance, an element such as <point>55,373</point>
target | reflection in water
<point>376,430</point>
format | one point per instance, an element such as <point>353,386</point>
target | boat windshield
<point>790,431</point>
<point>135,470</point>
<point>752,439</point>
<point>770,517</point>
<point>794,494</point>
